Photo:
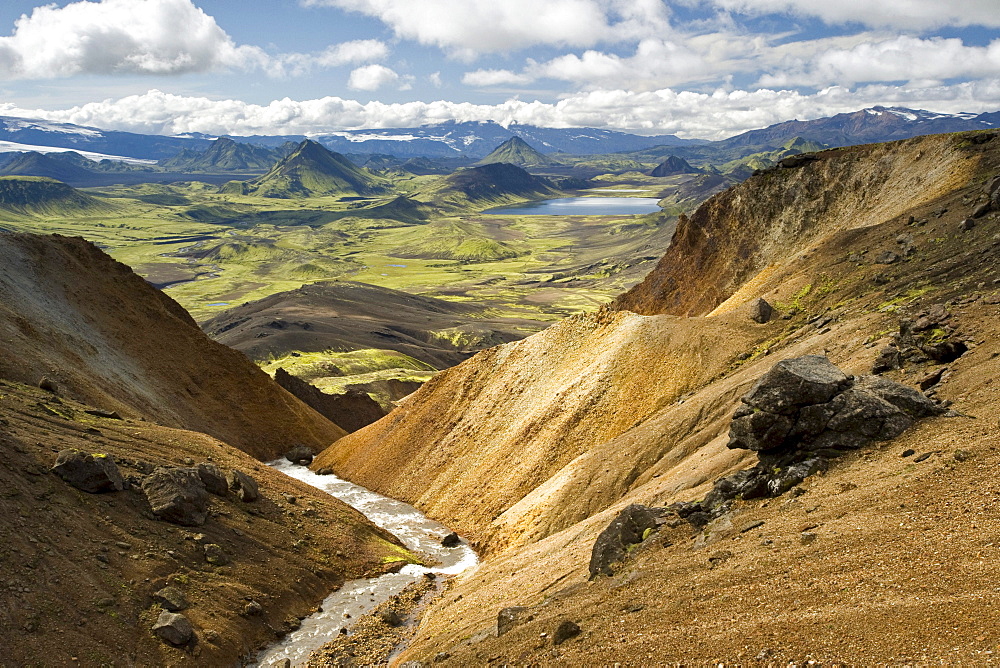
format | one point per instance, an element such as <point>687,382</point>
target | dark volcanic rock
<point>243,486</point>
<point>171,599</point>
<point>94,473</point>
<point>797,382</point>
<point>173,628</point>
<point>565,631</point>
<point>350,411</point>
<point>800,414</point>
<point>451,540</point>
<point>177,495</point>
<point>761,311</point>
<point>624,531</point>
<point>300,454</point>
<point>887,360</point>
<point>212,478</point>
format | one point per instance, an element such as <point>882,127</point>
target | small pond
<point>580,206</point>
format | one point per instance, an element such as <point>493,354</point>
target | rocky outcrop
<point>177,495</point>
<point>799,415</point>
<point>93,473</point>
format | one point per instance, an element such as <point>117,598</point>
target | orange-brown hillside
<point>556,433</point>
<point>104,336</point>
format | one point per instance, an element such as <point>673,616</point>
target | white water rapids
<point>358,597</point>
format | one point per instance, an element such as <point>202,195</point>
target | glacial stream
<point>358,597</point>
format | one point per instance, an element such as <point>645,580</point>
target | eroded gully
<point>358,597</point>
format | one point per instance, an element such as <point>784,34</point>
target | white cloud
<point>153,37</point>
<point>120,37</point>
<point>469,27</point>
<point>372,77</point>
<point>899,59</point>
<point>346,53</point>
<point>435,79</point>
<point>495,78</point>
<point>904,14</point>
<point>707,115</point>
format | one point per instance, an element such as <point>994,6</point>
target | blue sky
<point>688,67</point>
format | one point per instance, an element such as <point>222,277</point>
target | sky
<point>698,69</point>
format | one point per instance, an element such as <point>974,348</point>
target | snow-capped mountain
<point>875,124</point>
<point>477,139</point>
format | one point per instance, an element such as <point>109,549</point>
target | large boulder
<point>93,473</point>
<point>300,454</point>
<point>761,311</point>
<point>798,416</point>
<point>177,495</point>
<point>624,531</point>
<point>173,628</point>
<point>797,382</point>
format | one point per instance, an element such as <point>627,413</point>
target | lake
<point>580,206</point>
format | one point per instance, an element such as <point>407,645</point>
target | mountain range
<point>477,139</point>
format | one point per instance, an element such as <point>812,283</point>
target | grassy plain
<point>210,251</point>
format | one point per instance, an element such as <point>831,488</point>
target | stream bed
<point>358,597</point>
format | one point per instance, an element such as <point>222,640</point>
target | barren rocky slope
<point>148,520</point>
<point>880,559</point>
<point>104,336</point>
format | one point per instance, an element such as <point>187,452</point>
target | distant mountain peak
<point>516,151</point>
<point>310,170</point>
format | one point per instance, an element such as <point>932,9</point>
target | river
<point>358,597</point>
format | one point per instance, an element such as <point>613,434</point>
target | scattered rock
<point>177,495</point>
<point>761,311</point>
<point>252,609</point>
<point>961,455</point>
<point>173,628</point>
<point>101,413</point>
<point>300,455</point>
<point>931,379</point>
<point>888,359</point>
<point>171,599</point>
<point>922,457</point>
<point>93,473</point>
<point>966,225</point>
<point>451,540</point>
<point>982,210</point>
<point>510,617</point>
<point>214,555</point>
<point>212,478</point>
<point>48,385</point>
<point>565,631</point>
<point>243,486</point>
<point>624,531</point>
<point>909,452</point>
<point>289,498</point>
<point>392,618</point>
<point>751,526</point>
<point>324,471</point>
<point>887,257</point>
<point>807,537</point>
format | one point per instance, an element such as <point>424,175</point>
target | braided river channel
<point>358,597</point>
